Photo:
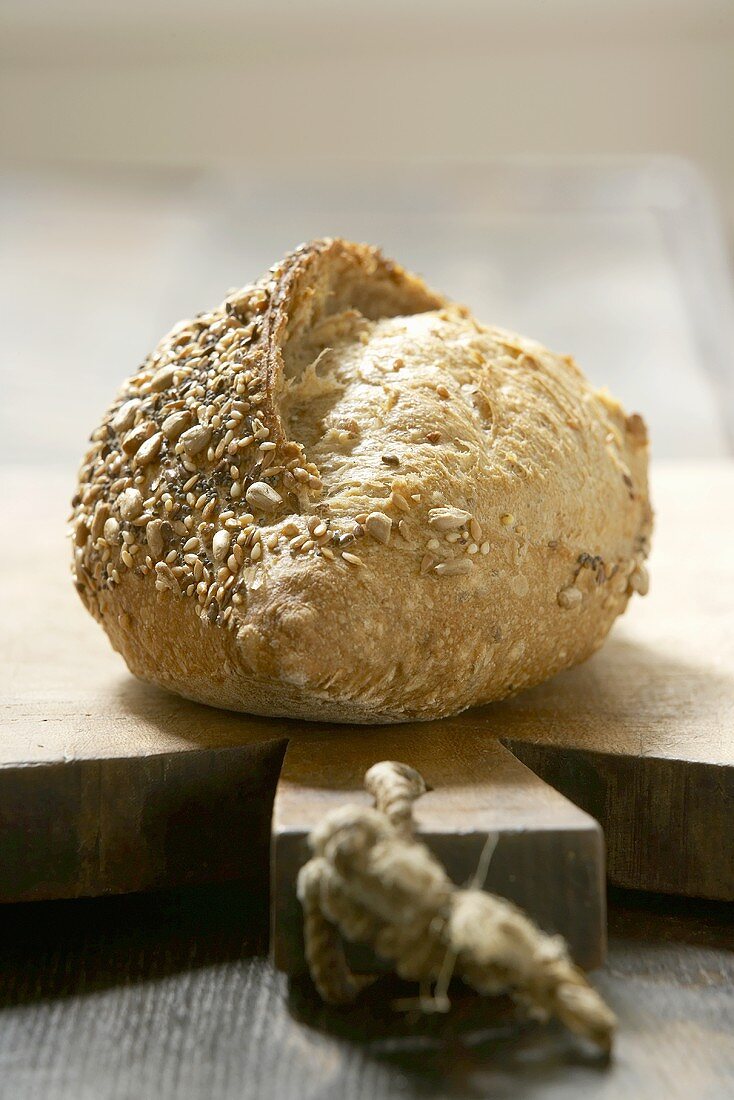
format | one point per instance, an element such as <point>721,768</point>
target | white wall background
<point>191,82</point>
<point>156,152</point>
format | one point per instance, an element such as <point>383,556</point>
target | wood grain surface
<point>168,996</point>
<point>549,856</point>
<point>642,735</point>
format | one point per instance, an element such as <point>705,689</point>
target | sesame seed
<point>442,391</point>
<point>484,548</point>
<point>475,530</point>
<point>256,552</point>
<point>352,559</point>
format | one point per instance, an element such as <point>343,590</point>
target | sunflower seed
<point>448,519</point>
<point>569,597</point>
<point>196,439</point>
<point>454,568</point>
<point>263,496</point>
<point>379,526</point>
<point>130,503</point>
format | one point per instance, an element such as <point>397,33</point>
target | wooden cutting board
<point>109,785</point>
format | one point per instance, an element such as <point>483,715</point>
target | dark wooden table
<point>171,995</point>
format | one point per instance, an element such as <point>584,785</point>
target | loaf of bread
<point>338,496</point>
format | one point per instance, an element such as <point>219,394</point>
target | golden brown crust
<point>337,496</point>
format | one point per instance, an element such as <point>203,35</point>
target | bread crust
<point>337,496</point>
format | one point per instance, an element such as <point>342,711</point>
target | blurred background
<point>565,167</point>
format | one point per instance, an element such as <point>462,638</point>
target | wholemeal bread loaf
<point>338,496</point>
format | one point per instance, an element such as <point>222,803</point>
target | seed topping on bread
<point>335,429</point>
